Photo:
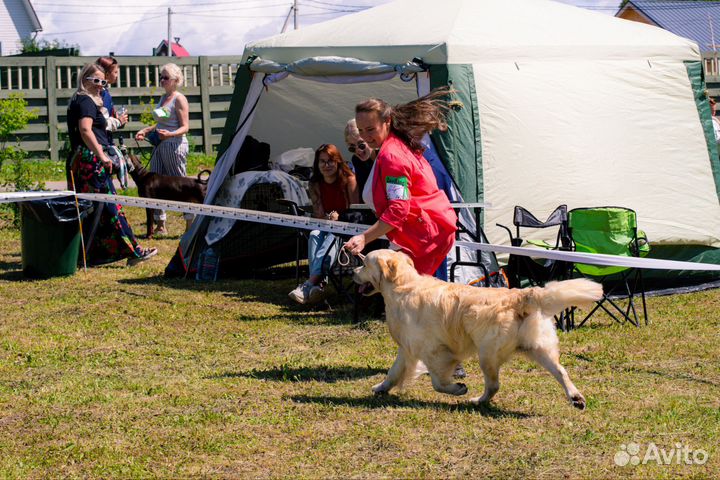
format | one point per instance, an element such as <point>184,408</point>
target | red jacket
<point>407,197</point>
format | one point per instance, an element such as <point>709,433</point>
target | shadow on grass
<point>672,375</point>
<point>305,374</point>
<point>12,272</point>
<point>262,291</point>
<point>385,401</point>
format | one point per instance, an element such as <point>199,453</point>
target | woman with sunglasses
<point>332,189</point>
<point>90,169</point>
<point>412,211</point>
<point>363,157</point>
<point>172,117</point>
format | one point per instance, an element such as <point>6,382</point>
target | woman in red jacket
<point>412,211</point>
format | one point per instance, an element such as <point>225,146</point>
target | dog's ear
<point>389,268</point>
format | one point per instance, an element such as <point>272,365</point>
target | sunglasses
<point>165,78</point>
<point>97,81</point>
<point>359,146</point>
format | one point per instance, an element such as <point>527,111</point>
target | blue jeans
<point>442,271</point>
<point>319,244</point>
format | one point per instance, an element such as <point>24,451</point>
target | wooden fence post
<point>51,97</point>
<point>204,74</point>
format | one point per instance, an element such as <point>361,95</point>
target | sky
<point>205,27</point>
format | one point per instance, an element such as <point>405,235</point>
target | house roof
<point>690,19</point>
<point>177,49</point>
<point>37,27</point>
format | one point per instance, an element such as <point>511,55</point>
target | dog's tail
<point>538,329</point>
<point>557,296</point>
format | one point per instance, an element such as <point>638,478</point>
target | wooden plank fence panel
<point>51,71</point>
<point>47,83</point>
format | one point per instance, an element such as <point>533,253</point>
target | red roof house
<point>177,49</point>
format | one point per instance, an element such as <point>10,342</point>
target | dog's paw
<point>460,389</point>
<point>578,401</point>
<point>380,389</point>
<point>478,401</point>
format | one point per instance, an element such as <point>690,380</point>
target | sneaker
<point>301,293</point>
<point>315,294</point>
<point>145,254</point>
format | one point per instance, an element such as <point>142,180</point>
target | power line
<point>106,27</point>
<point>339,5</point>
<point>85,12</point>
<point>87,5</point>
<point>265,16</point>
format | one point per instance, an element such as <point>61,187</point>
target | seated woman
<point>363,157</point>
<point>90,168</point>
<point>332,189</point>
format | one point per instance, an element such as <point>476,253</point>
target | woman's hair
<point>106,62</point>
<point>88,70</point>
<point>175,72</point>
<point>411,121</point>
<point>351,130</point>
<point>343,170</point>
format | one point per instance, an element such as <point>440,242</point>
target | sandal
<point>145,254</point>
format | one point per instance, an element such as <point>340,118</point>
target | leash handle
<point>343,258</point>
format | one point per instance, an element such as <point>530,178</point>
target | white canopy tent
<point>559,105</point>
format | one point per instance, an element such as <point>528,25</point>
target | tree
<point>33,46</point>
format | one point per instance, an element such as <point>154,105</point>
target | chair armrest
<point>642,243</point>
<point>541,244</point>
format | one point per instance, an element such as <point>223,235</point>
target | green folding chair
<point>613,231</point>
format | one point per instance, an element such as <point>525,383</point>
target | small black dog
<point>166,187</point>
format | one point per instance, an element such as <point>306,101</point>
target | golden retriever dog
<point>442,323</point>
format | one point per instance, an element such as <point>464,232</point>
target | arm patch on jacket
<point>396,188</point>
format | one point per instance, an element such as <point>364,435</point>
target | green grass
<point>119,372</point>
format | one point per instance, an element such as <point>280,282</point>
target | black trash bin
<point>51,236</point>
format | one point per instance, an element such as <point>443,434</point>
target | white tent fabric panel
<point>297,113</point>
<point>475,31</point>
<point>631,137</point>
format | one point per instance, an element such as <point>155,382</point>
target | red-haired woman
<point>332,189</point>
<point>412,211</point>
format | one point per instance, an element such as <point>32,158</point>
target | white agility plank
<point>270,218</point>
<point>344,228</point>
<point>592,258</point>
<point>13,197</point>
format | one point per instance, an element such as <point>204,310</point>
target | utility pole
<point>169,38</point>
<point>295,6</point>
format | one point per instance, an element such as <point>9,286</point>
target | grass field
<point>48,170</point>
<point>121,373</point>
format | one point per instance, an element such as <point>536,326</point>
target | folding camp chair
<point>613,231</point>
<point>523,270</point>
<point>520,267</point>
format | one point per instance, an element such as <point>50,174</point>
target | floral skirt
<point>109,236</point>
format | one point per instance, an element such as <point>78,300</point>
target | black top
<point>83,106</point>
<point>362,171</point>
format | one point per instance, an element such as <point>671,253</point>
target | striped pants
<point>170,158</point>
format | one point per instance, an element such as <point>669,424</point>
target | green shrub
<point>14,116</point>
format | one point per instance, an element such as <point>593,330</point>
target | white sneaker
<point>301,293</point>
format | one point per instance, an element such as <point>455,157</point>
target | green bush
<point>14,116</point>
